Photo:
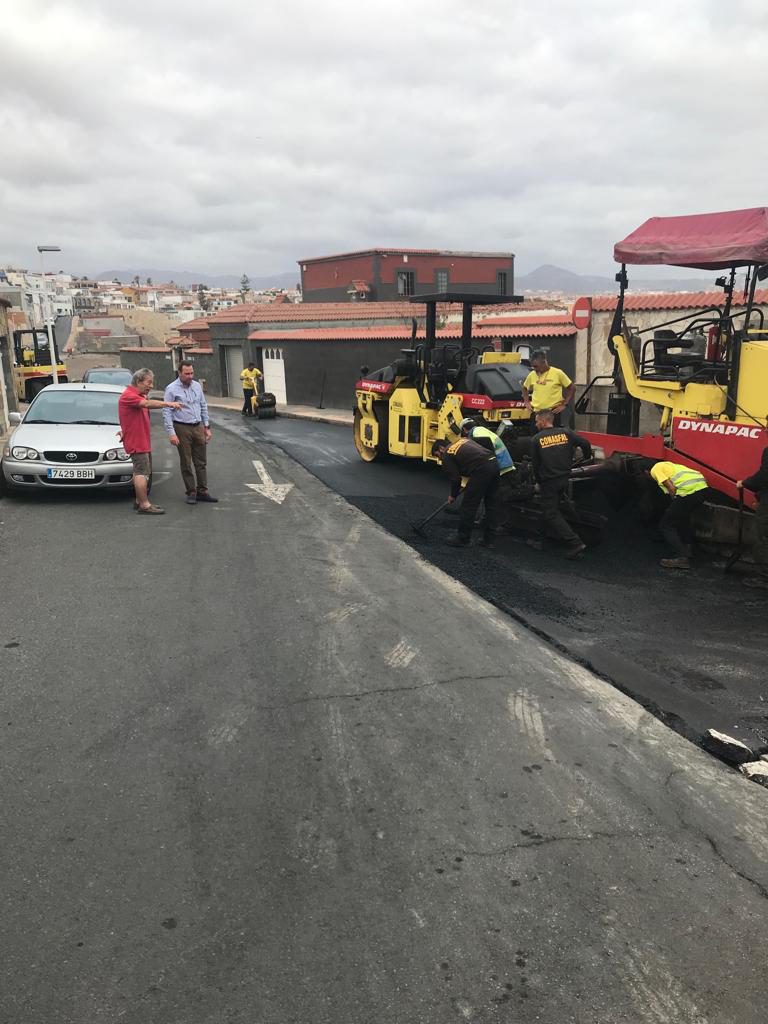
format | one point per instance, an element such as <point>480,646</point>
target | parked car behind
<point>108,375</point>
<point>68,438</point>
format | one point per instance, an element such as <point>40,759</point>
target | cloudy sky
<point>232,136</point>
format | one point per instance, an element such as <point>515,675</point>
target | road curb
<point>289,414</point>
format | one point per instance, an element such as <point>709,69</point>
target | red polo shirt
<point>134,421</point>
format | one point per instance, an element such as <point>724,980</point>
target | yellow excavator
<point>403,408</point>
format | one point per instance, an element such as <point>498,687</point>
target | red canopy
<point>707,241</point>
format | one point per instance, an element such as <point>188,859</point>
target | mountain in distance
<point>548,278</point>
<point>287,279</point>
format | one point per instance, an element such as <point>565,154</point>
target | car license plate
<point>71,474</point>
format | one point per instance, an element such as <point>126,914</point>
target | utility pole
<point>46,315</point>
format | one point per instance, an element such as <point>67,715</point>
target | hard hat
<point>467,423</point>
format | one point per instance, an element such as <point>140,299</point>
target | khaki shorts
<point>142,464</point>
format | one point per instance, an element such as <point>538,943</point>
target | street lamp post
<point>51,343</point>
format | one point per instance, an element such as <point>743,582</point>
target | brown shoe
<point>675,563</point>
<point>151,510</point>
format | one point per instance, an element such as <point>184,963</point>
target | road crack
<point>357,694</point>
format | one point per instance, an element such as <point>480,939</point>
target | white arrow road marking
<point>267,487</point>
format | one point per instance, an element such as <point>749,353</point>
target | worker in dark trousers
<point>758,483</point>
<point>688,490</point>
<point>466,458</point>
<point>552,456</point>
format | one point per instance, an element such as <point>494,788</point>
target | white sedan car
<point>68,438</point>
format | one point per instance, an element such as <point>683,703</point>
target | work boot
<point>675,563</point>
<point>758,582</point>
<point>457,541</point>
<point>575,549</point>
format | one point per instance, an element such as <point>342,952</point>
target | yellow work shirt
<point>545,390</point>
<point>249,378</point>
<point>686,480</point>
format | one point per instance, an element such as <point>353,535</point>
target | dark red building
<point>376,275</point>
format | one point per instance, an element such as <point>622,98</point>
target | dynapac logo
<point>714,427</point>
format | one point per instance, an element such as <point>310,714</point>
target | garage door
<point>234,367</point>
<point>274,373</point>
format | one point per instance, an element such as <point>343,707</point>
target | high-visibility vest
<point>500,450</point>
<point>688,481</point>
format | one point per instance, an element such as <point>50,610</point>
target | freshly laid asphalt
<point>690,647</point>
<point>261,765</point>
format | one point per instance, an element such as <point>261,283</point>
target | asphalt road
<point>260,765</point>
<point>691,648</point>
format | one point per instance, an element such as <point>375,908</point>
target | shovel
<point>419,527</point>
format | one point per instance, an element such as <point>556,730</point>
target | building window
<point>441,280</point>
<point>406,282</point>
<point>501,282</point>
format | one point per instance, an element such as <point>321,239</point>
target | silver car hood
<point>87,437</point>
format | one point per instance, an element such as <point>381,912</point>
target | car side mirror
<point>14,418</point>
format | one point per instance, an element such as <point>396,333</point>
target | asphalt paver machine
<point>706,374</point>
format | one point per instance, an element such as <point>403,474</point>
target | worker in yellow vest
<point>249,379</point>
<point>688,490</point>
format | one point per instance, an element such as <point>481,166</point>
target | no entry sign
<point>581,313</point>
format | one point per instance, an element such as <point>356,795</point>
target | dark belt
<point>181,423</point>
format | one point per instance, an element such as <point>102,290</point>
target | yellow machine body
<point>704,400</point>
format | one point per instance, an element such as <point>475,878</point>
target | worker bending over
<point>758,483</point>
<point>466,458</point>
<point>546,387</point>
<point>688,490</point>
<point>507,473</point>
<point>552,456</point>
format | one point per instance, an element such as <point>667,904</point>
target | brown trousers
<point>193,452</point>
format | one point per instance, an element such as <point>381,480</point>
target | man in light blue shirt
<point>189,431</point>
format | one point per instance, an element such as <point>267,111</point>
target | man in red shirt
<point>133,409</point>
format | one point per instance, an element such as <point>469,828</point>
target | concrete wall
<point>78,364</point>
<point>158,361</point>
<point>331,368</point>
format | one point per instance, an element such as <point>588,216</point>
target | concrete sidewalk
<point>341,417</point>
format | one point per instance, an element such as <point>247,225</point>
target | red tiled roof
<point>267,313</point>
<point>406,252</point>
<point>279,299</point>
<point>200,324</point>
<point>395,332</point>
<point>491,323</point>
<point>139,348</point>
<point>672,300</point>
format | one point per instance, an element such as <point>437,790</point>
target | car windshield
<point>99,407</point>
<point>109,377</point>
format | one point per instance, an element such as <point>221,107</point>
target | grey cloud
<point>248,136</point>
